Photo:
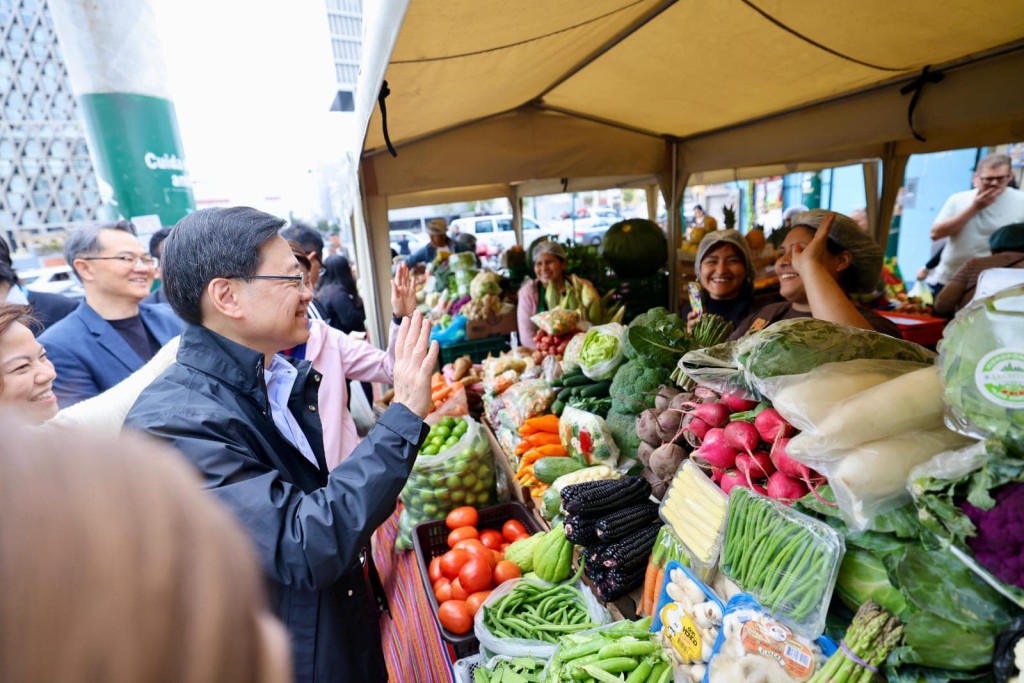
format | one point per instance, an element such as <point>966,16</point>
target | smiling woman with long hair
<point>117,567</point>
<point>26,375</point>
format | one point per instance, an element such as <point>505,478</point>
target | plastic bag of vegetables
<point>454,468</point>
<point>587,439</point>
<point>603,351</point>
<point>528,398</point>
<point>571,357</point>
<point>485,282</point>
<point>791,347</point>
<point>557,321</point>
<point>519,630</point>
<point>688,618</point>
<point>463,260</point>
<point>982,365</point>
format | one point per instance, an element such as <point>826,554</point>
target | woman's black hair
<point>337,277</point>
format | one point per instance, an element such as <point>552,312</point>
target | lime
<point>448,422</point>
<point>458,496</point>
<point>453,482</point>
<point>451,441</point>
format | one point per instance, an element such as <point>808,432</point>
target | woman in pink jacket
<point>340,358</point>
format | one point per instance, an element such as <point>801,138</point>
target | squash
<point>635,248</point>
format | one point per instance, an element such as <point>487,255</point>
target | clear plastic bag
<point>689,615</point>
<point>586,438</point>
<point>456,405</point>
<point>528,398</point>
<point>603,351</point>
<point>460,474</point>
<point>695,507</point>
<point>787,560</point>
<point>752,645</point>
<point>556,321</point>
<point>551,368</point>
<point>571,357</point>
<point>522,647</point>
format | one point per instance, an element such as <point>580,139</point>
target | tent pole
<point>517,213</point>
<point>371,227</point>
<point>652,202</point>
<point>871,188</point>
<point>893,168</point>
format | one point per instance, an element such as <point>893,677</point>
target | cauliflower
<point>635,387</point>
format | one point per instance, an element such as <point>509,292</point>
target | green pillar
<point>811,190</point>
<point>116,70</point>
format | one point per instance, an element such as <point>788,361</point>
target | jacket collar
<point>233,364</point>
<point>108,337</point>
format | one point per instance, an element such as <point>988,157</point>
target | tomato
<point>504,546</point>
<point>491,538</point>
<point>474,601</point>
<point>458,592</point>
<point>475,575</point>
<point>454,616</point>
<point>434,571</point>
<point>504,571</point>
<point>513,529</point>
<point>461,534</point>
<point>452,561</point>
<point>442,590</point>
<point>462,516</point>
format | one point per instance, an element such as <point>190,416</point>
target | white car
<point>494,234</point>
<point>53,279</point>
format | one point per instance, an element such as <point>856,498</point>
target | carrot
<point>642,610</point>
<point>523,446</point>
<point>551,450</point>
<point>543,423</point>
<point>658,580</point>
<point>439,395</point>
<point>543,439</point>
<point>436,381</point>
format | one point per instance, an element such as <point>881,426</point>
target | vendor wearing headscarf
<point>1007,245</point>
<point>437,230</point>
<point>825,257</point>
<point>725,270</point>
<point>544,292</point>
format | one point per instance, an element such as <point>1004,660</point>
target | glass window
<point>484,226</point>
<point>530,224</point>
<point>504,225</point>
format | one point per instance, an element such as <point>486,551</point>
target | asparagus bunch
<point>873,634</point>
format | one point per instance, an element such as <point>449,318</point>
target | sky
<point>252,83</point>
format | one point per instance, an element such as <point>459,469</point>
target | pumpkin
<point>635,248</point>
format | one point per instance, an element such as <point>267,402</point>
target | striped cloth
<point>413,647</point>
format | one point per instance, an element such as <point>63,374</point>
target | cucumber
<point>576,380</point>
<point>552,467</point>
<point>557,408</point>
<point>597,390</point>
<point>564,394</point>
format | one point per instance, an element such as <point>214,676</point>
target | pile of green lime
<point>436,486</point>
<point>444,434</point>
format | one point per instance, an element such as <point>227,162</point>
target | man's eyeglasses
<point>144,261</point>
<point>994,178</point>
<point>299,280</point>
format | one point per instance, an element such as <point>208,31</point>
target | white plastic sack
<point>521,647</point>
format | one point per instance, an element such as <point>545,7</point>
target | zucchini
<point>576,381</point>
<point>552,467</point>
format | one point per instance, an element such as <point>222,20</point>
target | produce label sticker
<point>680,630</point>
<point>773,640</point>
<point>999,377</point>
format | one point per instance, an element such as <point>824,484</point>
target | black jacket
<point>308,526</point>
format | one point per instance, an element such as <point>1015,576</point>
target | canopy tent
<point>492,98</point>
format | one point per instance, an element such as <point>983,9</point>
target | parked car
<point>592,230</point>
<point>52,279</point>
<point>494,234</point>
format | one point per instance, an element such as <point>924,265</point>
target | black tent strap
<point>384,92</point>
<point>818,45</point>
<point>916,86</point>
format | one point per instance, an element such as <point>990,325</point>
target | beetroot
<point>742,436</point>
<point>668,424</point>
<point>785,489</point>
<point>736,404</point>
<point>643,452</point>
<point>705,395</point>
<point>665,460</point>
<point>664,397</point>
<point>771,426</point>
<point>647,428</point>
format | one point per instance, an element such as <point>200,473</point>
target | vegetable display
<point>786,559</point>
<point>635,386</point>
<point>622,651</point>
<point>695,509</point>
<point>873,634</point>
<point>688,621</point>
<point>587,439</point>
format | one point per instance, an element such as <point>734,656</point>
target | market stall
<point>687,508</point>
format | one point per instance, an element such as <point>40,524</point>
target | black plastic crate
<point>430,540</point>
<point>476,349</point>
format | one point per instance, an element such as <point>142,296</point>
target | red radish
<point>770,425</point>
<point>717,455</point>
<point>737,404</point>
<point>714,437</point>
<point>716,474</point>
<point>757,488</point>
<point>715,414</point>
<point>730,479</point>
<point>757,465</point>
<point>742,436</point>
<point>784,463</point>
<point>699,428</point>
<point>785,489</point>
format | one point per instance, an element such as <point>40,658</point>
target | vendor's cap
<point>1008,238</point>
<point>867,255</point>
<point>437,226</point>
<point>549,247</point>
<point>733,237</point>
<point>792,211</point>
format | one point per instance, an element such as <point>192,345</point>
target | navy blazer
<point>48,308</point>
<point>90,356</point>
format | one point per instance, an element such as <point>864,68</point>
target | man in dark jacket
<point>44,307</point>
<point>249,421</point>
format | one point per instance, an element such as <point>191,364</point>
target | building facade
<point>345,23</point>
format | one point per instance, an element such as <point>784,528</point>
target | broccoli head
<point>635,386</point>
<point>623,430</point>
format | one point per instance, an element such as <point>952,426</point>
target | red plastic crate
<point>920,329</point>
<point>430,540</point>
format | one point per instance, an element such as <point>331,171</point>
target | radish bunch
<point>744,444</point>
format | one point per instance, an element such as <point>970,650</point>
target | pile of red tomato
<point>465,575</point>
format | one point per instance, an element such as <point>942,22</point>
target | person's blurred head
<point>1007,238</point>
<point>788,214</point>
<point>118,567</point>
<point>26,375</point>
<point>110,262</point>
<point>230,271</point>
<point>156,246</point>
<point>466,242</point>
<point>338,276</point>
<point>994,171</point>
<point>549,262</point>
<point>852,258</point>
<point>437,230</point>
<point>301,257</point>
<point>726,265</point>
<point>8,276</point>
<point>312,244</point>
<point>698,213</point>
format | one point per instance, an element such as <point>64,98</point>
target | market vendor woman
<point>725,269</point>
<point>543,293</point>
<point>825,257</point>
